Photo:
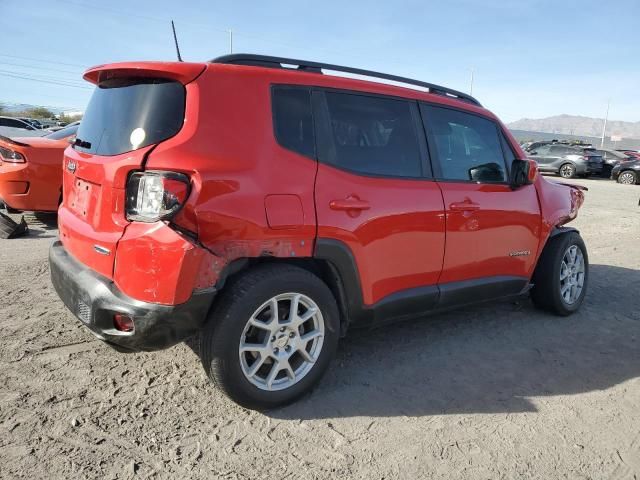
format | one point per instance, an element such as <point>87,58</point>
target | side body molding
<point>410,303</point>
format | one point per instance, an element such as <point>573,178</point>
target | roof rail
<point>317,67</point>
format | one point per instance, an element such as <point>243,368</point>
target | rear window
<point>128,114</point>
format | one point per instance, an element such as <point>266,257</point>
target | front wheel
<point>271,336</point>
<point>561,276</point>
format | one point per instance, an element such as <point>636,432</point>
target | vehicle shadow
<point>485,359</point>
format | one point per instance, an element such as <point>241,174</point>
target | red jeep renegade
<point>269,206</point>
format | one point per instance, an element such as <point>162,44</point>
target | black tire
<point>238,301</point>
<point>629,174</point>
<point>567,170</point>
<point>546,291</point>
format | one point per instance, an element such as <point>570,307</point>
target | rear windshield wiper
<point>81,143</point>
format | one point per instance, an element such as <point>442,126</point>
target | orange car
<point>31,170</point>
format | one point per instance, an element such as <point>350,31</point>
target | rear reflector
<point>123,323</point>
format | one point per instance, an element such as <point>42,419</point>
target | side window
<point>558,151</point>
<point>543,150</point>
<point>372,135</point>
<point>293,122</point>
<point>468,147</point>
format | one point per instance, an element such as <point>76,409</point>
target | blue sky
<point>532,58</point>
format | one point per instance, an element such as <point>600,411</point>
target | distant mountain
<point>577,125</point>
<point>21,107</point>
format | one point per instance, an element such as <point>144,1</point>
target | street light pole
<point>604,127</point>
<point>230,41</point>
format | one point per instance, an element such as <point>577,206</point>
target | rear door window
<point>128,114</point>
<point>468,146</point>
<point>372,135</point>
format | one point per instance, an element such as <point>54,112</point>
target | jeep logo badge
<point>71,166</point>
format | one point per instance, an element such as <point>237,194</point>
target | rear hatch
<point>133,108</point>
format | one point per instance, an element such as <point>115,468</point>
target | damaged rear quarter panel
<point>156,264</point>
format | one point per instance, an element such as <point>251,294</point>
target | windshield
<point>63,133</point>
<point>128,114</point>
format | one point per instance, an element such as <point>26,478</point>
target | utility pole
<point>230,41</point>
<point>471,89</point>
<point>604,127</point>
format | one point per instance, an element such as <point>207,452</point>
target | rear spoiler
<point>573,185</point>
<point>13,142</point>
<point>182,72</point>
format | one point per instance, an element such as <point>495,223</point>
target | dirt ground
<point>497,391</point>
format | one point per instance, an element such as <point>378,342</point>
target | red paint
<point>36,184</point>
<point>251,198</point>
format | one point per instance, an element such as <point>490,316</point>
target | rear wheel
<point>561,276</point>
<point>567,170</point>
<point>628,177</point>
<point>271,336</point>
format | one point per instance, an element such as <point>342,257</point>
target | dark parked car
<point>33,122</point>
<point>16,123</point>
<point>627,172</point>
<point>611,159</point>
<point>567,161</point>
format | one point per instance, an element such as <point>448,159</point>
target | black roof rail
<point>317,67</point>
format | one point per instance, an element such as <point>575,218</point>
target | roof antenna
<point>175,39</point>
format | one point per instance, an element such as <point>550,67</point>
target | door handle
<point>466,206</point>
<point>349,203</point>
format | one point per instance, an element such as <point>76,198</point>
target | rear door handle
<point>349,203</point>
<point>466,206</point>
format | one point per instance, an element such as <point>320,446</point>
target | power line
<point>44,61</point>
<point>33,79</point>
<point>55,78</point>
<point>40,68</point>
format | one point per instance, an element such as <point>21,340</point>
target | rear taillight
<point>155,195</point>
<point>10,156</point>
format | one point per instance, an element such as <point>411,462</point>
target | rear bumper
<point>94,299</point>
<point>17,189</point>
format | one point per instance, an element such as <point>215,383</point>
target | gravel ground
<point>496,391</point>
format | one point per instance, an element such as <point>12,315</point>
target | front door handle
<point>349,203</point>
<point>466,206</point>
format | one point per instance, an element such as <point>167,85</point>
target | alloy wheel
<point>572,273</point>
<point>567,170</point>
<point>281,341</point>
<point>627,178</point>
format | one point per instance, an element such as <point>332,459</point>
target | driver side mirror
<point>523,172</point>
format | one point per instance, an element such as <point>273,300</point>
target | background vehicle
<point>631,153</point>
<point>531,146</point>
<point>31,171</point>
<point>627,172</point>
<point>301,205</point>
<point>611,159</point>
<point>567,161</point>
<point>33,122</point>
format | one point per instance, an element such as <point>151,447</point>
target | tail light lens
<point>155,195</point>
<point>10,156</point>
